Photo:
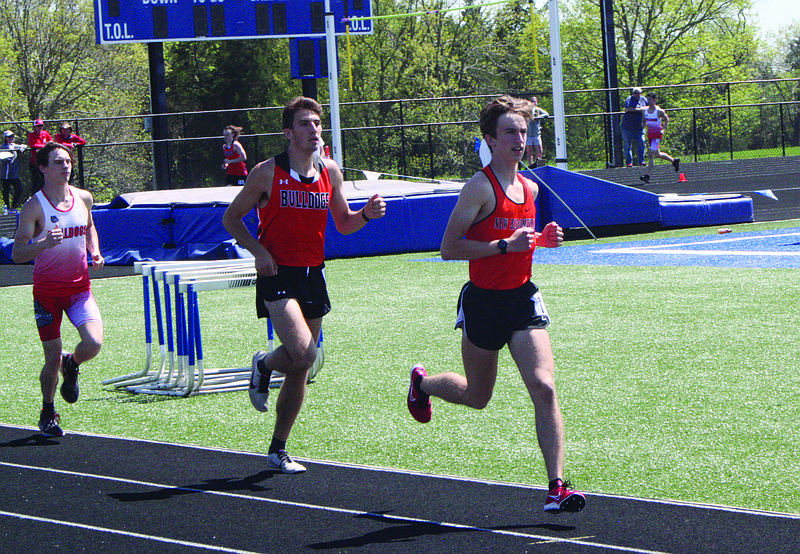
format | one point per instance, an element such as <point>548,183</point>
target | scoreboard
<point>127,21</point>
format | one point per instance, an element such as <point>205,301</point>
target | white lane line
<point>679,248</point>
<point>653,252</point>
<point>669,502</point>
<point>299,505</point>
<point>125,533</point>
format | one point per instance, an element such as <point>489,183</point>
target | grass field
<point>675,382</point>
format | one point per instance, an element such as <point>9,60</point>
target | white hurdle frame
<point>181,370</point>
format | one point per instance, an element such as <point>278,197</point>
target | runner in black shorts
<point>294,194</point>
<point>305,284</point>
<point>489,317</point>
<point>493,226</point>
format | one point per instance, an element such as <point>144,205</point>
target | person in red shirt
<point>67,138</point>
<point>492,226</point>
<point>293,193</point>
<point>36,140</point>
<point>235,156</point>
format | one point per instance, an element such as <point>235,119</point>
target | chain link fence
<point>432,138</point>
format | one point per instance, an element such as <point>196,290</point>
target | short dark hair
<point>492,111</point>
<point>297,104</point>
<point>43,154</point>
<point>651,95</point>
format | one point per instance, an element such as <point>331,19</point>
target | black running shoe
<point>48,425</point>
<point>645,178</point>
<point>69,387</point>
<point>676,163</point>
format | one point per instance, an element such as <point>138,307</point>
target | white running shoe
<point>259,384</point>
<point>281,461</point>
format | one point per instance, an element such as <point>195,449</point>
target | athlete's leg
<point>533,355</point>
<point>48,378</point>
<point>664,156</point>
<point>294,357</point>
<point>91,334</point>
<point>475,387</point>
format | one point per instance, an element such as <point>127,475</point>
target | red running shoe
<point>563,499</point>
<point>419,403</point>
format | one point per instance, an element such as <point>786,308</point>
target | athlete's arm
<point>475,202</point>
<point>255,193</point>
<point>31,223</point>
<point>92,241</point>
<point>348,221</point>
<point>663,115</point>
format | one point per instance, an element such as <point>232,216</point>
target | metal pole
<point>558,86</point>
<point>333,84</point>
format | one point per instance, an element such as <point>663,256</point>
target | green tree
<point>54,67</point>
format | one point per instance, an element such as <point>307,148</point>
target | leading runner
<point>492,226</point>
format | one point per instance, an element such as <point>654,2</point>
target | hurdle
<point>181,368</point>
<point>163,316</point>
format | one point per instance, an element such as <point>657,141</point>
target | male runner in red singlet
<point>292,193</point>
<point>492,226</point>
<point>56,230</point>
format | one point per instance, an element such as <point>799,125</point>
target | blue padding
<point>6,245</point>
<point>411,224</point>
<point>706,210</point>
<point>595,201</point>
<point>166,233</point>
<point>129,235</point>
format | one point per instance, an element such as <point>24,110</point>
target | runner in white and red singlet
<point>56,230</point>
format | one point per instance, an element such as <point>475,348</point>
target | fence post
<point>403,141</point>
<point>694,133</point>
<point>730,120</point>
<point>430,151</point>
<point>81,182</point>
<point>783,131</point>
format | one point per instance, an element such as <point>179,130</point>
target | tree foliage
<point>53,65</point>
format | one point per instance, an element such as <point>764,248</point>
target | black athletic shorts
<point>489,317</point>
<point>304,284</point>
<point>235,180</point>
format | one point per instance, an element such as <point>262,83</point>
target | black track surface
<point>83,493</point>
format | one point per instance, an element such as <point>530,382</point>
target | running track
<point>89,493</point>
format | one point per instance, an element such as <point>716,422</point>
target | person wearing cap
<point>9,169</point>
<point>631,126</point>
<point>67,138</point>
<point>36,140</point>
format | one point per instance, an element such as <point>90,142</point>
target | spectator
<point>67,138</point>
<point>631,126</point>
<point>36,140</point>
<point>534,140</point>
<point>9,168</point>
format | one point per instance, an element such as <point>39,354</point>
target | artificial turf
<point>675,382</point>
